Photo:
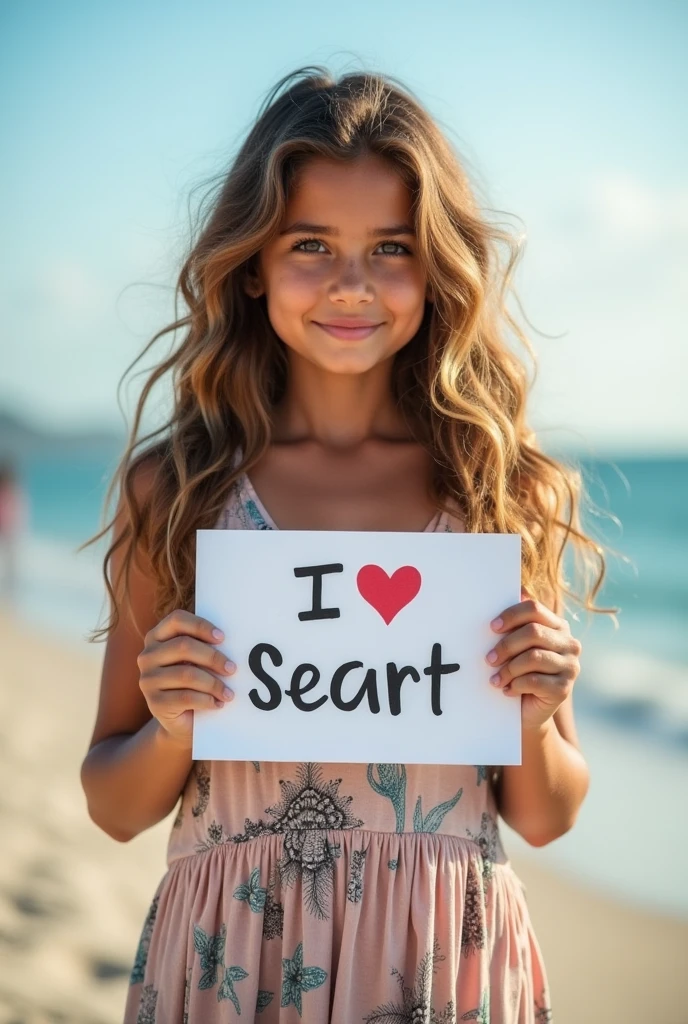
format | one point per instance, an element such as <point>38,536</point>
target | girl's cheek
<point>401,289</point>
<point>293,294</point>
<point>297,287</point>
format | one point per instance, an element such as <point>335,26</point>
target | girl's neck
<point>339,411</point>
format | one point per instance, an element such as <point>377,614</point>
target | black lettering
<point>297,689</point>
<point>368,686</point>
<point>436,670</point>
<point>254,663</point>
<point>317,572</point>
<point>395,677</point>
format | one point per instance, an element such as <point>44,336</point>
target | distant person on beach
<point>12,521</point>
<point>346,365</point>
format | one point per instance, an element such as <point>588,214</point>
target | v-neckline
<point>437,521</point>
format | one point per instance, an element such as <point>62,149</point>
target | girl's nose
<point>352,281</point>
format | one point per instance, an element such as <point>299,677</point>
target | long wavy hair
<point>458,384</point>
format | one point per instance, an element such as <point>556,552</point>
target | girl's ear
<point>252,285</point>
<point>429,293</point>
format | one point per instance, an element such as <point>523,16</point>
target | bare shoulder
<point>122,707</point>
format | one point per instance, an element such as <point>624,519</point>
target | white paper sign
<point>356,646</point>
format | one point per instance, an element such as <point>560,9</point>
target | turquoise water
<point>631,696</point>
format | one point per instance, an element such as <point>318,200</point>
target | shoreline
<point>74,900</point>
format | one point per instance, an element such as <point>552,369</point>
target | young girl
<point>343,366</point>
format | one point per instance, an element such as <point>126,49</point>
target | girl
<point>343,366</point>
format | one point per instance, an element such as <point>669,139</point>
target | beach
<point>72,900</point>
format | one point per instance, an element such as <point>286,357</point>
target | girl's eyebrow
<point>322,229</point>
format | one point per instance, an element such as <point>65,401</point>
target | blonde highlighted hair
<point>460,387</point>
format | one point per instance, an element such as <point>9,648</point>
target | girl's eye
<point>316,242</point>
<point>306,241</point>
<point>397,245</point>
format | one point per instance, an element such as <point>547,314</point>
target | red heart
<point>388,594</point>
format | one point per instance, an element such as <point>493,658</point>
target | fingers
<point>185,677</point>
<point>179,658</point>
<point>532,661</point>
<point>549,688</point>
<point>532,635</point>
<point>175,702</point>
<point>180,622</point>
<point>529,610</point>
<point>186,648</point>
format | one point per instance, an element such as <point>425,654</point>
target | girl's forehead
<point>367,183</point>
<point>325,172</point>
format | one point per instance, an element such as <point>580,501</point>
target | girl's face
<point>343,282</point>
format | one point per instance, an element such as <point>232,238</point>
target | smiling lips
<point>349,328</point>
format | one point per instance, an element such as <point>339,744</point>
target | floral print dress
<point>344,893</point>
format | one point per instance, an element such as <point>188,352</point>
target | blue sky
<point>570,118</point>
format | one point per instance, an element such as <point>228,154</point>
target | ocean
<point>631,698</point>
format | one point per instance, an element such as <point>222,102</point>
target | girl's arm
<point>133,772</point>
<point>541,797</point>
<point>135,768</point>
<point>538,659</point>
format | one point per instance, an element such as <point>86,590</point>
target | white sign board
<point>355,646</point>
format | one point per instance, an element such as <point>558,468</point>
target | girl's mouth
<point>348,333</point>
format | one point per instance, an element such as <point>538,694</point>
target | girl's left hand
<point>537,658</point>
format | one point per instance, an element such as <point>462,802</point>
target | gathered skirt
<point>418,927</point>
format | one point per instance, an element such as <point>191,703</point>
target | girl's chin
<point>347,363</point>
<point>353,359</point>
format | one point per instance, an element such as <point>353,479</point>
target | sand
<point>72,900</point>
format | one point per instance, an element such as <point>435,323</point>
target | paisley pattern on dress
<point>211,949</point>
<point>202,776</point>
<point>473,926</point>
<point>215,836</point>
<point>273,913</point>
<point>490,845</point>
<point>389,780</point>
<point>354,889</point>
<point>414,1003</point>
<point>252,891</point>
<point>297,979</point>
<point>141,958</point>
<point>308,808</point>
<point>149,998</point>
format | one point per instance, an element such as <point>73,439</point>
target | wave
<point>635,688</point>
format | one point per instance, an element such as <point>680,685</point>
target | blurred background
<point>567,119</point>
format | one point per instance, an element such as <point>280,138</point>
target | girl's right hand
<point>181,671</point>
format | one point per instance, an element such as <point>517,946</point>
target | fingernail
<point>218,634</point>
<point>228,694</point>
<point>495,678</point>
<point>497,623</point>
<point>492,656</point>
<point>229,666</point>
